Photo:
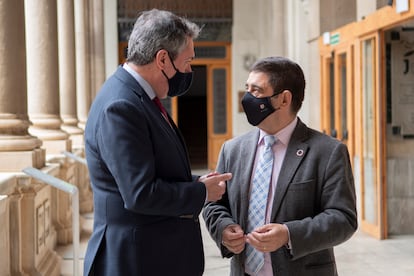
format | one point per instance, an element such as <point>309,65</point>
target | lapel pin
<point>299,152</point>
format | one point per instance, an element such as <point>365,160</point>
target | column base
<point>77,140</point>
<point>57,146</point>
<point>65,235</point>
<point>50,264</point>
<point>16,161</point>
<point>75,134</point>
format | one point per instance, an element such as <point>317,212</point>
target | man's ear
<point>161,58</point>
<point>286,97</point>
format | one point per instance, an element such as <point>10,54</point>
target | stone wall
<point>400,195</point>
<point>35,218</point>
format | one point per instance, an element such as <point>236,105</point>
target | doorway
<point>203,114</point>
<point>192,118</point>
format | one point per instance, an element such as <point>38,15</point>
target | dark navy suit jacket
<point>144,192</point>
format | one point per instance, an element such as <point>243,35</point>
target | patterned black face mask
<point>257,109</point>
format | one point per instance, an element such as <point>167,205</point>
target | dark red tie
<point>162,108</point>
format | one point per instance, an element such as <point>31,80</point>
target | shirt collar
<point>142,82</point>
<point>283,136</point>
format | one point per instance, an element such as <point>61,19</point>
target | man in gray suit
<point>304,207</point>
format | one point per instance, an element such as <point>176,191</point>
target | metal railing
<point>74,157</point>
<point>68,188</point>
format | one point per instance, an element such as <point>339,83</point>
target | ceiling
<point>214,16</point>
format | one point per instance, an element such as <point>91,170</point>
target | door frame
<point>215,140</point>
<point>352,36</point>
<point>378,227</point>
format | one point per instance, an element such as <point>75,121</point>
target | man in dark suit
<point>302,205</point>
<point>146,201</point>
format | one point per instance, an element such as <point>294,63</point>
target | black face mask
<point>257,109</point>
<point>180,83</point>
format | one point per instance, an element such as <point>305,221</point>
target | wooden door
<point>337,113</point>
<point>219,127</point>
<point>369,149</point>
<point>327,83</point>
<point>344,95</point>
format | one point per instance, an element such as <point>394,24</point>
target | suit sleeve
<point>216,214</point>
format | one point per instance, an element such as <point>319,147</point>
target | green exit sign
<point>334,39</point>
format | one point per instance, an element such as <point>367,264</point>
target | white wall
<point>365,8</point>
<point>277,27</point>
<point>303,34</point>
<point>258,30</point>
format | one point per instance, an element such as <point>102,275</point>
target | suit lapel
<point>295,153</point>
<point>180,142</point>
<point>172,132</point>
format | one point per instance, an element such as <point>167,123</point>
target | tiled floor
<point>362,255</point>
<point>67,251</point>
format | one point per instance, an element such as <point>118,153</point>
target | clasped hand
<point>266,238</point>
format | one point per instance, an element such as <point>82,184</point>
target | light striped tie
<point>258,201</point>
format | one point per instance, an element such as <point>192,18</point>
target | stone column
<point>83,84</point>
<point>67,70</point>
<point>18,149</point>
<point>43,75</point>
<point>97,42</point>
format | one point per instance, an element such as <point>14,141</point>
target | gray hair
<point>155,30</point>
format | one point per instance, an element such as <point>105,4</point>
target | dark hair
<point>155,30</point>
<point>283,74</point>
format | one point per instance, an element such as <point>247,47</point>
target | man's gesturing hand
<point>215,185</point>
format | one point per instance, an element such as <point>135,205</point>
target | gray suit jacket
<point>315,198</point>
